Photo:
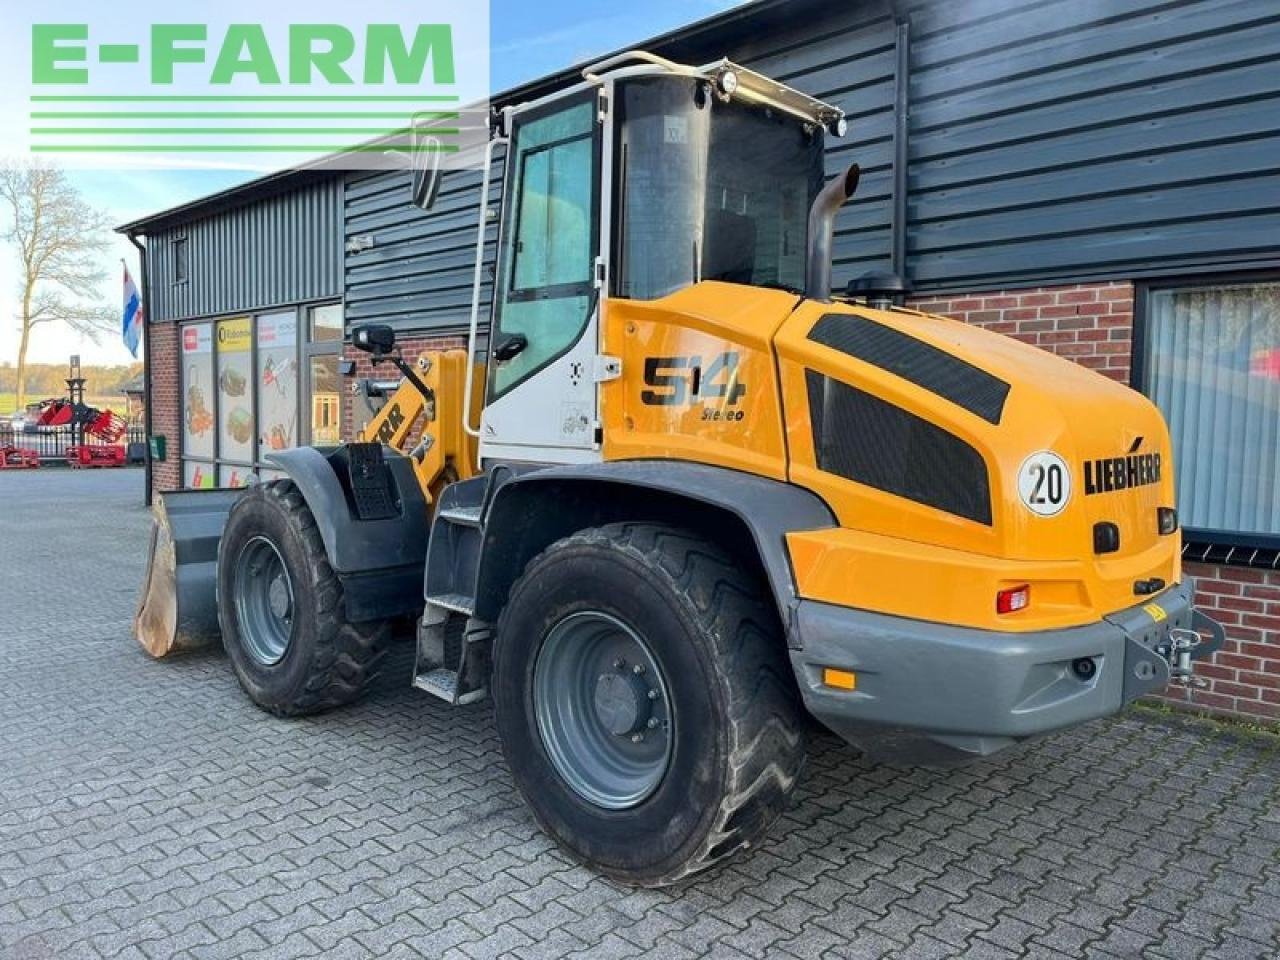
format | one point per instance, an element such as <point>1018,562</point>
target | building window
<point>180,260</point>
<point>325,326</point>
<point>1212,366</point>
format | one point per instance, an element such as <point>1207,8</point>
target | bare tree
<point>60,240</point>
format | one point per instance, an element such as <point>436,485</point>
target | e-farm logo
<point>262,93</point>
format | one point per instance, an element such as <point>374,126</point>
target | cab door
<point>543,342</point>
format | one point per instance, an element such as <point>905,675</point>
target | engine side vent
<point>921,363</point>
<point>864,439</point>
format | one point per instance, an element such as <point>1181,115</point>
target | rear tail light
<point>1013,599</point>
<point>1166,520</point>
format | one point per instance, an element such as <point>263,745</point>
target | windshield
<point>709,190</point>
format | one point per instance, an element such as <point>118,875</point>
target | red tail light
<point>1013,599</point>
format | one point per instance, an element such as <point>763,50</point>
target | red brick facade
<point>1244,678</point>
<point>166,402</point>
<point>1091,324</point>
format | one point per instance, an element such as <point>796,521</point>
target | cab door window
<point>549,248</point>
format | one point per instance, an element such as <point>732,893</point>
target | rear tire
<point>281,610</point>
<point>706,639</point>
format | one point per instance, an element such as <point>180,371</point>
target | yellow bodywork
<point>444,452</point>
<point>891,554</point>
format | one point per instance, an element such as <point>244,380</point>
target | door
<point>541,393</point>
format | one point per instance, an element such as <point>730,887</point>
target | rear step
<point>454,603</point>
<point>453,655</point>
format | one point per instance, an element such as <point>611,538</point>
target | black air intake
<point>867,440</point>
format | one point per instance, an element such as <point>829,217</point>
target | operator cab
<point>647,178</point>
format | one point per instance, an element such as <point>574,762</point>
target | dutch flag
<point>132,314</point>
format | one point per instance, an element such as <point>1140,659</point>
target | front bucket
<point>178,608</point>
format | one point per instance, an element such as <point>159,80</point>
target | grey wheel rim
<point>603,711</point>
<point>264,601</point>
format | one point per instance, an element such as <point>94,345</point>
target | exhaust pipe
<point>822,222</point>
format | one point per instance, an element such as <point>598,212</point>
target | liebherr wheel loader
<point>691,495</point>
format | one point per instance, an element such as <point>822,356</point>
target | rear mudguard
<point>379,562</point>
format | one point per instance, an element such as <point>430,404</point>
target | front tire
<point>614,637</point>
<point>281,610</point>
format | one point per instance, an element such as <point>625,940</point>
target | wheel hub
<point>263,594</point>
<point>602,708</point>
<point>278,598</point>
<point>622,703</point>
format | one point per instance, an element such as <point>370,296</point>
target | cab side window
<point>549,249</point>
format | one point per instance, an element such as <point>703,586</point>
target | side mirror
<point>375,338</point>
<point>427,155</point>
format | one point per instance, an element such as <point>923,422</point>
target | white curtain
<point>1214,371</point>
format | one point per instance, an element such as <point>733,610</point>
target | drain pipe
<point>146,360</point>
<point>822,223</point>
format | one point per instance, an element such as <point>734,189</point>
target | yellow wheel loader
<point>690,496</point>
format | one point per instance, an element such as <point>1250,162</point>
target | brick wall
<point>1091,324</point>
<point>1244,678</point>
<point>166,402</point>
<point>410,347</point>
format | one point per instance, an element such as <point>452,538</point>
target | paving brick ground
<point>148,810</point>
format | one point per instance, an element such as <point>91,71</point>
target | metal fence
<point>50,443</point>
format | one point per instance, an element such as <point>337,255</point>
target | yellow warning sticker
<point>1156,611</point>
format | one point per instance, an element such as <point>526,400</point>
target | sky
<point>528,40</point>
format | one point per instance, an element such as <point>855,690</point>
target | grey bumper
<point>932,693</point>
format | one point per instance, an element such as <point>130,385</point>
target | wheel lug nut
<point>619,664</point>
<point>653,694</point>
<point>637,737</point>
<point>638,668</point>
<point>653,723</point>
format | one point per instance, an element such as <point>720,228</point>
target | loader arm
<point>423,419</point>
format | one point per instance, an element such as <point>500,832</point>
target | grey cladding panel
<point>282,250</point>
<point>418,273</point>
<point>1087,139</point>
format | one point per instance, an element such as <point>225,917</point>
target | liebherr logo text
<point>1121,473</point>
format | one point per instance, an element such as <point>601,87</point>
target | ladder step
<point>464,516</point>
<point>443,683</point>
<point>457,602</point>
<point>440,682</point>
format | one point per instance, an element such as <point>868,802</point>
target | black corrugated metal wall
<point>280,250</point>
<point>1048,140</point>
<point>1085,139</point>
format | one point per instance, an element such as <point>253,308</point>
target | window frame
<point>304,350</point>
<point>504,278</point>
<point>309,349</point>
<point>179,243</point>
<point>1140,368</point>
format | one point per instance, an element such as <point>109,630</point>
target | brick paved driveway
<point>147,809</point>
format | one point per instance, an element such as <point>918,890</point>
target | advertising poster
<point>232,477</point>
<point>197,391</point>
<point>277,382</point>
<point>235,391</point>
<point>198,476</point>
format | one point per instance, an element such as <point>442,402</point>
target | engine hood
<point>931,430</point>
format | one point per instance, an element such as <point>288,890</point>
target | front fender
<point>380,562</point>
<point>536,507</point>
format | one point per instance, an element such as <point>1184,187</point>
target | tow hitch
<point>1178,651</point>
<point>1163,641</point>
